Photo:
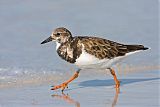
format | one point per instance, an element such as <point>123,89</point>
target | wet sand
<point>139,89</point>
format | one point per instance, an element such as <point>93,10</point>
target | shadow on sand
<point>110,82</point>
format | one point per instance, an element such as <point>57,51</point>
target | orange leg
<point>117,82</point>
<point>65,84</point>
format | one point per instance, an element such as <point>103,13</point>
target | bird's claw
<point>62,86</point>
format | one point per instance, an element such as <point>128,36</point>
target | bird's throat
<point>57,45</point>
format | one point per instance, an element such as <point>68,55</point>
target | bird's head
<point>60,35</point>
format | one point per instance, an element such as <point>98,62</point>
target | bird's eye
<point>58,34</point>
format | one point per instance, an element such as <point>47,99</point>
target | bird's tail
<point>136,47</point>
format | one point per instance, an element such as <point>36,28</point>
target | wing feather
<point>102,48</point>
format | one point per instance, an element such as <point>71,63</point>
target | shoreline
<point>93,90</point>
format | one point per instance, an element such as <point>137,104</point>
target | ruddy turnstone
<point>89,52</point>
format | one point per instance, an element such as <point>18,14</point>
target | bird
<point>89,52</point>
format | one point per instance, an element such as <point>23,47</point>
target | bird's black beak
<point>47,40</point>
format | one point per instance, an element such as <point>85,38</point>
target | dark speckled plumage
<point>70,50</point>
<point>100,48</point>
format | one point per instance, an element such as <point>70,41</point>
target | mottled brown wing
<point>102,48</point>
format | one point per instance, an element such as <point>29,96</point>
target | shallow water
<point>136,90</point>
<point>24,24</point>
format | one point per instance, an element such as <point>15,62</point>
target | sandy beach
<point>138,89</point>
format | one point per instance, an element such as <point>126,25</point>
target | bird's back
<point>103,48</point>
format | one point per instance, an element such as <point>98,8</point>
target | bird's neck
<point>57,45</point>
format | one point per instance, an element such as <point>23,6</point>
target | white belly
<point>91,62</point>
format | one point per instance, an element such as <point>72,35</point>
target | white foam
<point>22,76</point>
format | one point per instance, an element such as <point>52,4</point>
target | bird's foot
<point>65,84</point>
<point>62,86</point>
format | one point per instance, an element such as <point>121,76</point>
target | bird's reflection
<point>66,98</point>
<point>114,102</point>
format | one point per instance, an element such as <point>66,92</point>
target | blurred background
<point>24,24</point>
